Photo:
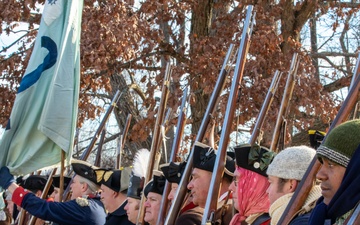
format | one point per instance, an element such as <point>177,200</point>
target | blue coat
<point>118,217</point>
<point>65,213</point>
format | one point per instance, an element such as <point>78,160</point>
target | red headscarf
<point>251,193</point>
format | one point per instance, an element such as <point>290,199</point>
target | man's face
<point>107,195</point>
<point>132,209</point>
<point>152,207</point>
<point>76,188</point>
<point>199,186</point>
<point>172,193</point>
<point>56,194</point>
<point>331,175</point>
<point>233,189</point>
<point>277,188</point>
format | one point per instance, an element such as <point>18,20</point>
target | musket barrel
<point>265,107</point>
<point>174,150</point>
<point>87,152</point>
<point>156,137</point>
<point>181,191</point>
<point>289,87</point>
<point>213,194</point>
<point>307,182</point>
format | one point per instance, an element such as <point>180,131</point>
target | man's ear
<point>84,187</point>
<point>293,185</point>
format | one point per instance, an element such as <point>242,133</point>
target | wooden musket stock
<point>307,183</point>
<point>174,150</point>
<point>122,141</point>
<point>265,107</point>
<point>182,189</point>
<point>98,153</point>
<point>219,166</point>
<point>154,152</point>
<point>289,87</point>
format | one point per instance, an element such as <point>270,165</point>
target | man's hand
<point>6,178</point>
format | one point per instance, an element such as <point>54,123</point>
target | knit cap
<point>291,163</point>
<point>341,143</point>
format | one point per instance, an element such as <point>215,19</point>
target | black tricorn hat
<point>56,181</point>
<point>156,185</point>
<point>117,180</point>
<point>205,156</point>
<point>136,185</point>
<point>86,170</point>
<point>35,183</point>
<point>255,158</point>
<point>316,138</point>
<point>173,171</point>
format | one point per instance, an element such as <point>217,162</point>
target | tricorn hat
<point>86,170</point>
<point>156,185</point>
<point>255,158</point>
<point>205,156</point>
<point>35,183</point>
<point>56,181</point>
<point>173,171</point>
<point>117,180</point>
<point>316,138</point>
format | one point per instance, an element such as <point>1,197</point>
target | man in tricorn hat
<point>189,213</point>
<point>136,184</point>
<point>36,185</point>
<point>84,207</point>
<point>153,192</point>
<point>114,185</point>
<point>204,162</point>
<point>55,195</point>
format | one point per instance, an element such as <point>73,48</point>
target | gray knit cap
<point>291,163</point>
<point>341,143</point>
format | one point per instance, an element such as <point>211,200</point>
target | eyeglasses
<point>235,181</point>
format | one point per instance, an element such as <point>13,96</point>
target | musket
<point>289,87</point>
<point>219,166</point>
<point>154,152</point>
<point>162,139</point>
<point>98,153</point>
<point>182,189</point>
<point>265,107</point>
<point>304,187</point>
<point>44,193</point>
<point>122,140</point>
<point>88,150</point>
<point>174,151</point>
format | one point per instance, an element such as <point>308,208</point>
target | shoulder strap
<point>261,219</point>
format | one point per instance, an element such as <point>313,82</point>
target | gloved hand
<point>6,178</point>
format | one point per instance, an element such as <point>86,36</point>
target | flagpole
<point>62,168</point>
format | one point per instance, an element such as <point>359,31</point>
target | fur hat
<point>291,163</point>
<point>173,171</point>
<point>116,180</point>
<point>341,143</point>
<point>255,158</point>
<point>156,185</point>
<point>138,173</point>
<point>205,156</point>
<point>85,170</point>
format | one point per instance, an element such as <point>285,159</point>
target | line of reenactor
<point>257,185</point>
